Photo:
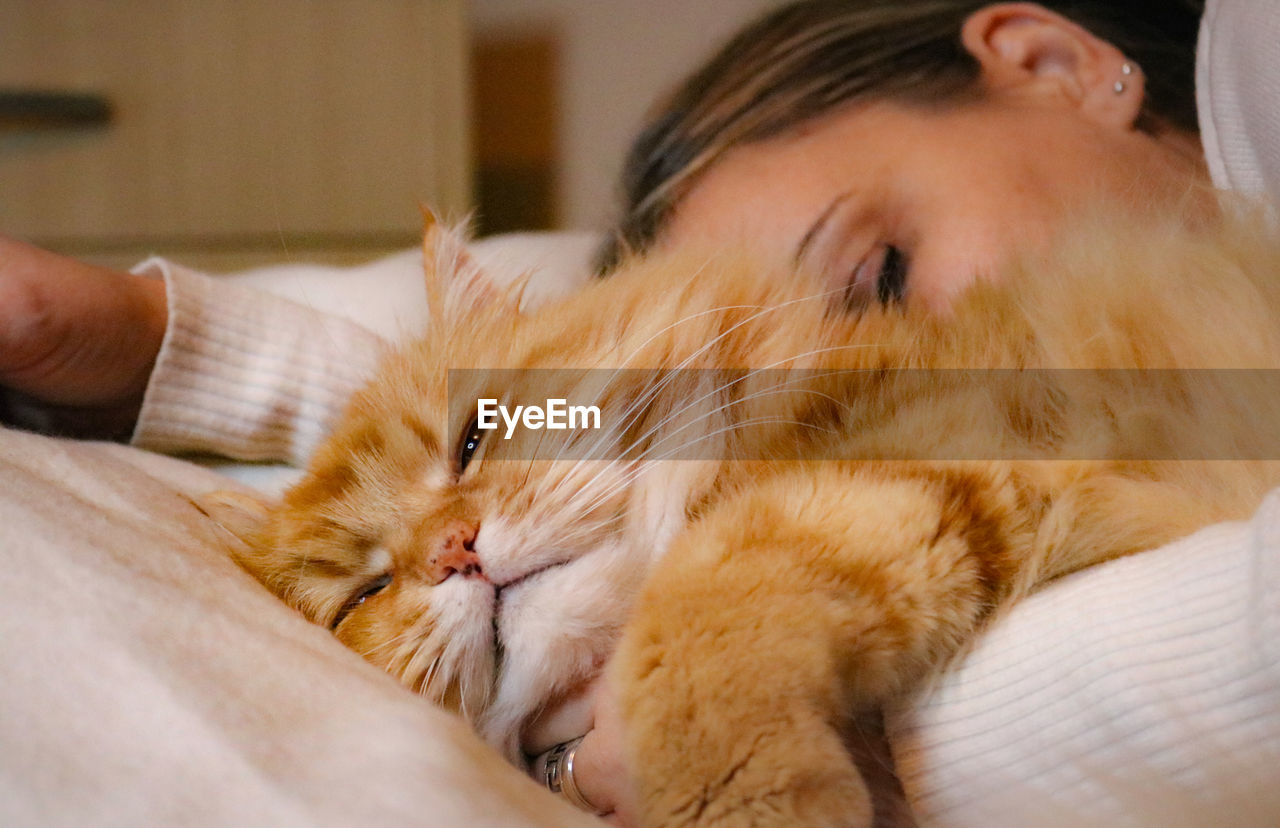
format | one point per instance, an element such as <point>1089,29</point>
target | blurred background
<point>228,133</point>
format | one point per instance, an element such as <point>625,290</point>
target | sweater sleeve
<point>1145,691</point>
<point>1238,95</point>
<point>245,374</point>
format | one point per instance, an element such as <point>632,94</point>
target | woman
<point>948,135</point>
<point>906,148</point>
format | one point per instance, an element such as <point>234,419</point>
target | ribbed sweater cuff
<point>245,374</point>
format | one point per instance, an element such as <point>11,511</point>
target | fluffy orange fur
<point>823,544</point>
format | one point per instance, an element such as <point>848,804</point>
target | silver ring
<point>557,775</point>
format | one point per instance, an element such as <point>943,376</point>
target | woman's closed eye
<point>880,276</point>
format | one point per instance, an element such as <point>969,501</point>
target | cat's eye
<point>469,444</point>
<point>881,275</point>
<point>366,592</point>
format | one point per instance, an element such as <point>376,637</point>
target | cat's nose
<point>455,553</point>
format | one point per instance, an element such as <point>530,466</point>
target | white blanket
<point>147,681</point>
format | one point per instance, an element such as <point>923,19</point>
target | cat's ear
<point>457,287</point>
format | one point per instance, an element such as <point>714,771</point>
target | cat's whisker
<point>574,436</point>
<point>616,435</point>
<point>601,442</point>
<point>584,491</point>
<point>632,475</point>
<point>383,646</point>
<point>617,485</point>
<point>682,321</point>
<point>528,470</point>
<point>591,453</point>
<point>652,393</point>
<point>596,450</point>
<point>626,360</point>
<point>411,654</point>
<point>610,465</point>
<point>425,684</point>
<point>776,389</point>
<point>760,311</point>
<point>733,426</point>
<point>425,680</point>
<point>629,476</point>
<point>644,464</point>
<point>537,447</point>
<point>560,481</point>
<point>579,464</point>
<point>591,531</point>
<point>588,500</point>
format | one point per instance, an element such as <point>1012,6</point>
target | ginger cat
<point>766,553</point>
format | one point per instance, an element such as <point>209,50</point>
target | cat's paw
<point>781,785</point>
<point>717,737</point>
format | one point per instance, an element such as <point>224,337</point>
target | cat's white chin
<point>556,629</point>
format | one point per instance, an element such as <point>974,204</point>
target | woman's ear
<point>1028,50</point>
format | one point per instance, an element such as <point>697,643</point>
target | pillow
<point>387,296</point>
<point>148,681</point>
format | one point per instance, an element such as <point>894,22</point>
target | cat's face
<point>484,580</point>
<point>493,574</point>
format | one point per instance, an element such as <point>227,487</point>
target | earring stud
<point>1126,69</point>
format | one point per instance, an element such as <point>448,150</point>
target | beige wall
<point>617,57</point>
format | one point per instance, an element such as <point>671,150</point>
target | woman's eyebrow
<point>818,224</point>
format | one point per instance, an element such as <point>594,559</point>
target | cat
<point>795,509</point>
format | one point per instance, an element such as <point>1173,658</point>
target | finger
<point>608,740</point>
<point>590,773</point>
<point>597,772</point>
<point>568,718</point>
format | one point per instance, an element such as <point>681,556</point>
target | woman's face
<point>887,198</point>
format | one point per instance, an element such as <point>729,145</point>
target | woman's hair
<point>807,58</point>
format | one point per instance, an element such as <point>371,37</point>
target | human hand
<point>77,343</point>
<point>599,769</point>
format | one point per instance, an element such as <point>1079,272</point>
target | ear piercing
<point>1125,70</point>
